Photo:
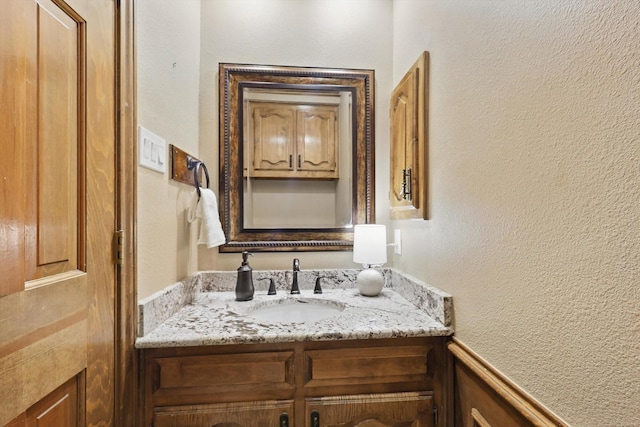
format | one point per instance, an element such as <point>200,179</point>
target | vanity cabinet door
<point>245,414</point>
<point>375,410</point>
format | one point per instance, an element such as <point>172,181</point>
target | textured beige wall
<point>168,43</point>
<point>321,33</point>
<point>535,191</point>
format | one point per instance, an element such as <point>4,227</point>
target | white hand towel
<point>204,210</point>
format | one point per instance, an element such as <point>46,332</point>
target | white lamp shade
<point>370,244</point>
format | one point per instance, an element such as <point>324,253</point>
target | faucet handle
<point>318,288</point>
<point>272,285</point>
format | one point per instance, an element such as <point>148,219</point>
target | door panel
<point>42,342</point>
<point>58,408</point>
<point>57,211</point>
<point>53,204</point>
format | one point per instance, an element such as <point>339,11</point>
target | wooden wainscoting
<point>486,398</point>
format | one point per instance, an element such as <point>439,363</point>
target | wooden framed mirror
<point>296,156</point>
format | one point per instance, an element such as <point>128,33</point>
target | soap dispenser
<point>244,285</point>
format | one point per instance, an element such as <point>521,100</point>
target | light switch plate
<point>397,242</point>
<point>152,150</point>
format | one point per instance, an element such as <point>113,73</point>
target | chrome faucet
<point>294,285</point>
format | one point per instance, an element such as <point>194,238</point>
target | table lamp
<point>370,250</point>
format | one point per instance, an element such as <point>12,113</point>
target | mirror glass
<point>296,156</point>
<point>324,139</point>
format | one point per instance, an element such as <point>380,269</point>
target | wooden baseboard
<point>485,398</point>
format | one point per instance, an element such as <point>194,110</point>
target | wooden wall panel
<point>60,408</point>
<point>19,421</point>
<point>485,398</point>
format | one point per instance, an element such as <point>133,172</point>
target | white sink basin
<point>296,310</point>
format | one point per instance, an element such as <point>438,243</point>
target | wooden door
<point>376,410</point>
<point>57,212</point>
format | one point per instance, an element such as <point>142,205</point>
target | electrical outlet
<point>397,242</point>
<point>152,150</point>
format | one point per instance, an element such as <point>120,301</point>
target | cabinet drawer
<point>397,409</point>
<point>371,365</point>
<point>263,414</point>
<point>224,373</point>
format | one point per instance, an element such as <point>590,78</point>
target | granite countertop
<point>212,318</point>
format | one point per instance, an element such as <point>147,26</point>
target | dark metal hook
<point>195,165</point>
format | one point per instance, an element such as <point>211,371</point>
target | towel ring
<point>195,165</point>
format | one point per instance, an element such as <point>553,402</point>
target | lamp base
<point>370,282</point>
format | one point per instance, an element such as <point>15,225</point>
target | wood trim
<point>180,171</point>
<point>233,79</point>
<point>126,361</point>
<point>478,419</point>
<point>518,399</point>
<point>19,421</point>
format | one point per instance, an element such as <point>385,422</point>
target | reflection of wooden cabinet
<point>408,116</point>
<point>386,382</point>
<point>293,140</point>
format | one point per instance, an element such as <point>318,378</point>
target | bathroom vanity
<point>211,360</point>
